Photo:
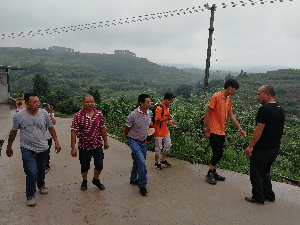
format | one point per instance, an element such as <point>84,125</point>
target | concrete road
<point>177,195</point>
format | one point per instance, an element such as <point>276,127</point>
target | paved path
<point>177,195</point>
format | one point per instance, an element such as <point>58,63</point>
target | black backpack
<point>153,112</point>
<point>153,118</point>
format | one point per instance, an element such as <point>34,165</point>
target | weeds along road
<point>177,195</point>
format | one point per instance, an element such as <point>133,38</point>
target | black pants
<point>48,153</point>
<point>260,165</point>
<point>217,145</point>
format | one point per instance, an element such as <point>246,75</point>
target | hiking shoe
<point>83,185</point>
<point>165,163</point>
<point>253,200</point>
<point>143,191</point>
<point>98,184</point>
<point>158,166</point>
<point>43,190</point>
<point>31,202</point>
<point>210,178</point>
<point>218,177</point>
<point>135,182</point>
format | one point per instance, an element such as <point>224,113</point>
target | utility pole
<point>211,30</point>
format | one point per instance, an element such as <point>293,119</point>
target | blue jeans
<point>34,167</point>
<point>139,152</point>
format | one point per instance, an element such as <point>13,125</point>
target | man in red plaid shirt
<point>90,125</point>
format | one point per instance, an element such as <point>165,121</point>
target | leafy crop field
<point>190,144</point>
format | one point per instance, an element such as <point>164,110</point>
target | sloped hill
<point>73,71</point>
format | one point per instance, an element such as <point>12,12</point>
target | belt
<point>136,140</point>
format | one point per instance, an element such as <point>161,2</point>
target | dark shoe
<point>165,163</point>
<point>253,200</point>
<point>98,184</point>
<point>218,177</point>
<point>135,182</point>
<point>211,178</point>
<point>83,185</point>
<point>158,166</point>
<point>143,191</point>
<point>271,199</point>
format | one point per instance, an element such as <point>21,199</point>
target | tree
<point>95,93</point>
<point>40,85</point>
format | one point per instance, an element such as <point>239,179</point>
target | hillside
<point>73,72</point>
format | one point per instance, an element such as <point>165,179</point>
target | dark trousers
<point>217,145</point>
<point>48,153</point>
<point>260,165</point>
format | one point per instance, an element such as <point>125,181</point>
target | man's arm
<point>126,131</point>
<point>206,121</point>
<point>53,134</point>
<point>11,138</point>
<point>236,124</point>
<point>104,136</point>
<point>73,142</point>
<point>256,136</point>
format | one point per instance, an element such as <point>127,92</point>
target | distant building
<point>58,48</point>
<point>125,52</point>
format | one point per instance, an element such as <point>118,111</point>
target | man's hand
<point>57,147</point>
<point>9,152</point>
<point>74,152</point>
<point>173,123</point>
<point>106,145</point>
<point>207,135</point>
<point>248,151</point>
<point>242,133</point>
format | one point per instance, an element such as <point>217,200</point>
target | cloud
<point>244,36</point>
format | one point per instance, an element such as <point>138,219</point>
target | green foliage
<point>40,85</point>
<point>96,94</point>
<point>188,139</point>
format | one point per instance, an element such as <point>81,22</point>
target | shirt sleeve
<point>49,123</point>
<point>75,125</point>
<point>229,106</point>
<point>16,123</point>
<point>129,120</point>
<point>261,116</point>
<point>158,112</point>
<point>213,101</point>
<point>102,124</point>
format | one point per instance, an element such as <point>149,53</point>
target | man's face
<point>146,104</point>
<point>262,97</point>
<point>88,103</point>
<point>33,103</point>
<point>232,91</point>
<point>169,101</point>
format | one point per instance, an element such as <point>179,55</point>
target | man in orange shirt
<point>162,134</point>
<point>215,118</point>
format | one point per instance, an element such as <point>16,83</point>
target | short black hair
<point>231,82</point>
<point>142,98</point>
<point>169,96</point>
<point>269,89</point>
<point>27,95</point>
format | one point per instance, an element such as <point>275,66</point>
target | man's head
<point>168,98</point>
<point>231,86</point>
<point>32,101</point>
<point>45,106</point>
<point>88,102</point>
<point>265,94</point>
<point>144,101</point>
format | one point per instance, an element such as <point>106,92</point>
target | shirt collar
<point>140,111</point>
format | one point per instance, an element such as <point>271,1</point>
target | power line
<point>134,19</point>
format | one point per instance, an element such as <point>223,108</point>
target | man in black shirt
<point>264,145</point>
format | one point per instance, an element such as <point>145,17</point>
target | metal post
<point>211,30</point>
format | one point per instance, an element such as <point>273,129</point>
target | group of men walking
<point>89,127</point>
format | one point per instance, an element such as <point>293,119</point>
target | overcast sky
<point>256,35</point>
